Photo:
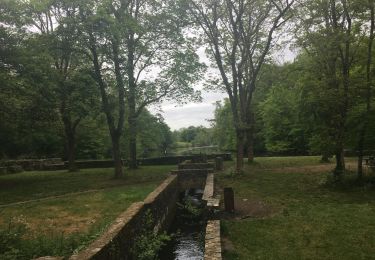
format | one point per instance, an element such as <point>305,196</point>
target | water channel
<point>188,229</point>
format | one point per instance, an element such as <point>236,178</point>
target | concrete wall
<point>117,241</point>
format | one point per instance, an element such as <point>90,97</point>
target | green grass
<point>312,220</point>
<point>36,185</point>
<point>272,162</point>
<point>58,226</point>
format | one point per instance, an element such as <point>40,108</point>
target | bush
<point>148,243</point>
<point>10,240</point>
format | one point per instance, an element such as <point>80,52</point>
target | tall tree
<point>51,35</point>
<point>330,32</point>
<point>155,45</point>
<point>102,36</point>
<point>138,47</point>
<point>365,122</point>
<point>240,35</point>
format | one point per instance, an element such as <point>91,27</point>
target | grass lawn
<point>301,217</point>
<point>87,202</point>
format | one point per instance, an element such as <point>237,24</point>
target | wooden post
<point>229,200</point>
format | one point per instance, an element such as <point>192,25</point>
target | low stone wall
<point>117,241</point>
<point>187,165</point>
<point>212,243</point>
<point>57,164</point>
<point>172,160</point>
<point>209,187</point>
<point>30,164</point>
<point>191,178</point>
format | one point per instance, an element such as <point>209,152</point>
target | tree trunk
<point>115,132</point>
<point>132,142</point>
<point>250,146</point>
<point>240,150</point>
<point>71,151</point>
<point>70,136</point>
<point>132,85</point>
<point>117,156</point>
<point>360,157</point>
<point>340,162</point>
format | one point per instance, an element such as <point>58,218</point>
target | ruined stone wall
<point>191,178</point>
<point>117,241</point>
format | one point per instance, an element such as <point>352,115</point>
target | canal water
<point>187,230</point>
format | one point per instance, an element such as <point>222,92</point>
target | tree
<point>28,126</point>
<point>154,137</point>
<point>283,130</point>
<point>188,134</point>
<point>53,37</point>
<point>330,30</point>
<point>129,41</point>
<point>155,41</point>
<point>369,71</point>
<point>239,35</point>
<point>102,35</point>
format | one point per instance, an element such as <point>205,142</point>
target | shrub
<point>10,240</point>
<point>148,243</point>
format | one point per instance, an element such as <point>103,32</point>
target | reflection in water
<point>187,246</point>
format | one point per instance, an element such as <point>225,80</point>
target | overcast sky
<point>196,114</point>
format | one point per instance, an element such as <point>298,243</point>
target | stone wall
<point>117,241</point>
<point>191,178</point>
<point>32,164</point>
<point>212,243</point>
<point>57,164</point>
<point>187,165</point>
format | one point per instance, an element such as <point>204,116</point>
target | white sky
<point>196,114</point>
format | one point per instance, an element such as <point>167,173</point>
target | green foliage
<point>10,239</point>
<point>224,132</point>
<point>154,135</point>
<point>283,130</point>
<point>189,211</point>
<point>194,136</point>
<point>148,242</point>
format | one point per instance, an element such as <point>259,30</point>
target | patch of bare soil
<point>62,223</point>
<point>311,168</point>
<point>249,208</point>
<point>304,169</point>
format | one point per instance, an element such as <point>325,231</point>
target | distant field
<point>87,201</point>
<point>285,210</point>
